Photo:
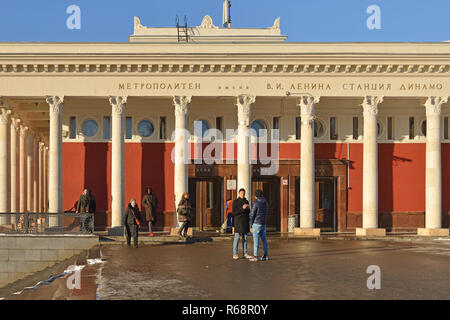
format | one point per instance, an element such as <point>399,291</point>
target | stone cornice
<point>235,68</point>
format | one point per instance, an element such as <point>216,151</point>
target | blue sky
<point>301,20</point>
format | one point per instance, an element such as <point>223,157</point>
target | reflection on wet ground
<point>297,269</point>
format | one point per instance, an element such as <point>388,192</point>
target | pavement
<point>328,267</point>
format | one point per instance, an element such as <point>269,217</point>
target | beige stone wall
<point>23,255</point>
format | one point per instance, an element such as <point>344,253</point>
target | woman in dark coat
<point>150,203</point>
<point>241,211</point>
<point>184,211</point>
<point>132,221</point>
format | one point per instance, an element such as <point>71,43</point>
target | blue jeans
<point>236,243</point>
<point>259,231</point>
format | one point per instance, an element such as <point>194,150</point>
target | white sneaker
<point>235,257</point>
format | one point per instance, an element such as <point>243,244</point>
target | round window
<point>319,129</point>
<point>259,127</point>
<point>145,128</point>
<point>90,128</point>
<point>201,127</point>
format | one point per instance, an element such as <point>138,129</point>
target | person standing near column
<point>241,211</point>
<point>258,221</point>
<point>184,211</point>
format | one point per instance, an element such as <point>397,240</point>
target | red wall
<point>401,172</point>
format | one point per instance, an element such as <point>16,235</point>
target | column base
<point>116,231</point>
<point>424,232</point>
<point>370,232</point>
<point>309,232</point>
<point>174,232</point>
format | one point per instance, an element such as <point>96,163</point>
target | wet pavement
<point>297,269</point>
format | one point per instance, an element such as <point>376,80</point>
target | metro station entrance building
<point>363,128</point>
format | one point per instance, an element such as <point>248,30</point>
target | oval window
<point>90,128</point>
<point>145,128</point>
<point>259,127</point>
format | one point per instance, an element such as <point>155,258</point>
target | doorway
<point>206,198</point>
<point>271,191</point>
<point>325,203</point>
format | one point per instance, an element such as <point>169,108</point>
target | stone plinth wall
<point>23,255</point>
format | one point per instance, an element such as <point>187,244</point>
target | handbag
<point>137,221</point>
<point>182,211</point>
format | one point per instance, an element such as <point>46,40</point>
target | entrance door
<point>206,200</point>
<point>271,191</point>
<point>324,202</point>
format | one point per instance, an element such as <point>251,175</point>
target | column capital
<point>23,130</point>
<point>244,102</point>
<point>55,103</point>
<point>433,105</point>
<point>15,122</point>
<point>370,105</point>
<point>306,104</point>
<point>181,103</point>
<point>4,114</point>
<point>118,103</point>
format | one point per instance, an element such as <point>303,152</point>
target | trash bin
<point>291,222</point>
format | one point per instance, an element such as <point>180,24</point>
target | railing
<point>45,223</point>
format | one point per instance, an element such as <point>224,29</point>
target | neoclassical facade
<point>363,128</point>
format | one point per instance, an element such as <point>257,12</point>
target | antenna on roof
<point>227,14</point>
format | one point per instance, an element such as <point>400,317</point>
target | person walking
<point>150,203</point>
<point>184,211</point>
<point>132,221</point>
<point>258,221</point>
<point>241,212</point>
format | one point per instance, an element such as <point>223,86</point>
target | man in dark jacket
<point>241,211</point>
<point>258,220</point>
<point>131,221</point>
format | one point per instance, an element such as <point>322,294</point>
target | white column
<point>117,162</point>
<point>370,169</point>
<point>244,174</point>
<point>36,142</point>
<point>13,167</point>
<point>46,176</point>
<point>4,162</point>
<point>40,208</point>
<point>30,144</point>
<point>433,178</point>
<point>55,159</point>
<point>181,149</point>
<point>23,168</point>
<point>307,168</point>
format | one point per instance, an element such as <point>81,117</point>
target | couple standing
<point>244,218</point>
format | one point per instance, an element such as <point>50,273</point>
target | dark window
<point>219,124</point>
<point>276,122</point>
<point>129,128</point>
<point>162,128</point>
<point>333,134</point>
<point>73,128</point>
<point>107,128</point>
<point>411,128</point>
<point>445,127</point>
<point>390,129</point>
<point>355,128</point>
<point>424,128</point>
<point>298,128</point>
